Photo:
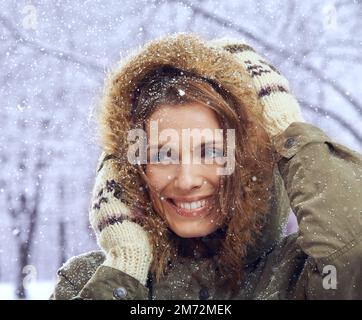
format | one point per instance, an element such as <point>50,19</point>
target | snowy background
<point>54,55</point>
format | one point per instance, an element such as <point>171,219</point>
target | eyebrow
<point>202,144</point>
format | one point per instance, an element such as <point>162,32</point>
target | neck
<point>200,247</point>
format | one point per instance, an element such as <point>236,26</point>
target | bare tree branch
<point>347,43</point>
<point>283,53</point>
<point>322,112</point>
<point>47,50</point>
<point>345,58</point>
<point>288,17</point>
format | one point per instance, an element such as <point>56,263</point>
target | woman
<point>177,229</point>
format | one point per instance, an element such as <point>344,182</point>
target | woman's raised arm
<point>324,184</point>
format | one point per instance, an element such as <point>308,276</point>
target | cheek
<point>157,176</point>
<point>210,174</point>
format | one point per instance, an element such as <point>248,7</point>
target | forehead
<point>187,116</point>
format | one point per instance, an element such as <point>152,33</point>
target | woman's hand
<point>279,105</point>
<point>125,242</point>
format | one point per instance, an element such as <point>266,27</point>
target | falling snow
<point>54,58</point>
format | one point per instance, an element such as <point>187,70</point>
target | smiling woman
<point>177,188</point>
<point>170,228</point>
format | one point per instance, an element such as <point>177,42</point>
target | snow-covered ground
<point>40,290</point>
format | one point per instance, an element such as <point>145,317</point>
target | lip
<point>190,199</point>
<point>195,213</point>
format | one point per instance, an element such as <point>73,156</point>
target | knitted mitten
<point>125,242</point>
<point>280,106</point>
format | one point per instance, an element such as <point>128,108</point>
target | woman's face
<point>187,188</point>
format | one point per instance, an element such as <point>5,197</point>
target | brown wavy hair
<point>242,198</point>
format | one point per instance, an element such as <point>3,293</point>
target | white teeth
<point>191,205</point>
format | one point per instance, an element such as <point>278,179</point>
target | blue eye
<point>163,156</point>
<point>212,153</point>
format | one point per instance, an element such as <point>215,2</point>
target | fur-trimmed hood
<point>214,60</point>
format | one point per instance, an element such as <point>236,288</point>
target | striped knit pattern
<point>125,243</point>
<point>279,105</point>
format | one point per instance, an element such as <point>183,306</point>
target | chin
<point>189,232</point>
<point>191,228</point>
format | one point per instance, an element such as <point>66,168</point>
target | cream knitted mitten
<point>280,106</point>
<point>125,242</point>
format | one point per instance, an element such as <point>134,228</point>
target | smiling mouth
<point>190,208</point>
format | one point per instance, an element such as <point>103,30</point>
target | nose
<point>188,178</point>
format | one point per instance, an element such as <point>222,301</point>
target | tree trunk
<point>62,242</point>
<point>23,261</point>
